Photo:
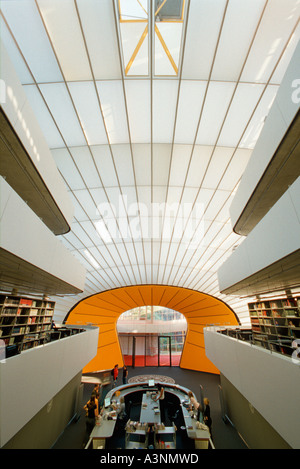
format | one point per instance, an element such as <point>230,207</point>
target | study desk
<point>106,427</point>
<point>150,410</point>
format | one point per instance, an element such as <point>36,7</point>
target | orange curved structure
<point>103,310</point>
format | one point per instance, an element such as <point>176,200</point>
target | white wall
<point>25,235</point>
<point>277,235</point>
<point>269,381</point>
<point>140,326</point>
<point>30,380</point>
<point>17,109</point>
<point>283,111</point>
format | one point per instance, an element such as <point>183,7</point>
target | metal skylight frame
<point>152,21</point>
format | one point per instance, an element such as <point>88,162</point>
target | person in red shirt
<point>115,372</point>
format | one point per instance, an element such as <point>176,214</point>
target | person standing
<point>125,374</point>
<point>115,372</point>
<point>206,415</point>
<point>121,411</point>
<point>160,396</point>
<point>194,404</point>
<point>96,394</point>
<point>91,409</point>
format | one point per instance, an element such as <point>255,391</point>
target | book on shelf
<point>25,301</point>
<point>25,320</point>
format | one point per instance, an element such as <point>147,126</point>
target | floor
<point>225,435</point>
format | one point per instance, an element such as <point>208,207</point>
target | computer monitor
<point>107,402</point>
<point>151,382</point>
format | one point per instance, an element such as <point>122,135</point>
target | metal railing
<point>283,346</point>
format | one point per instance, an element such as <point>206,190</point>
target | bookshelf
<point>276,323</point>
<point>24,322</point>
<point>165,437</point>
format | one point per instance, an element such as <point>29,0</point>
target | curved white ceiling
<point>151,162</point>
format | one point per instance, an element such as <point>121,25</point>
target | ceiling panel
<point>239,113</point>
<point>123,162</point>
<point>142,164</point>
<point>86,200</point>
<point>218,98</point>
<point>113,109</point>
<point>189,108</point>
<point>179,166</point>
<point>276,27</point>
<point>103,159</point>
<point>235,169</point>
<point>97,21</point>
<point>61,107</point>
<point>236,38</point>
<point>180,141</point>
<point>286,57</point>
<point>32,41</point>
<point>204,23</point>
<point>137,92</point>
<point>256,123</point>
<point>79,213</point>
<point>68,169</point>
<point>46,122</point>
<point>201,156</point>
<point>9,43</point>
<point>164,109</point>
<point>161,157</point>
<point>218,165</point>
<point>66,38</point>
<point>84,96</point>
<point>86,166</point>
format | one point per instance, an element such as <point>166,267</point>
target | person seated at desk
<point>195,405</point>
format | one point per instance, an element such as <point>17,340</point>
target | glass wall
<point>152,336</point>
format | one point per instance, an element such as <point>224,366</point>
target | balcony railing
<point>56,333</point>
<point>286,346</point>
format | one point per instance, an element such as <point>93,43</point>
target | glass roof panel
<point>139,34</point>
<point>33,40</point>
<point>45,120</point>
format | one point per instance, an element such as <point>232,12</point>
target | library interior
<point>149,225</point>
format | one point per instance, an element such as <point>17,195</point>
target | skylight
<point>151,30</point>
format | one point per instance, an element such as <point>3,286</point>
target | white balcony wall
<point>21,117</point>
<point>269,381</point>
<point>276,236</point>
<point>282,113</point>
<point>30,380</point>
<point>24,235</point>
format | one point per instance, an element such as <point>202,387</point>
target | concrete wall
<point>283,111</point>
<point>24,235</point>
<point>17,109</point>
<point>269,381</point>
<point>277,235</point>
<point>42,431</point>
<point>30,380</point>
<point>253,428</point>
